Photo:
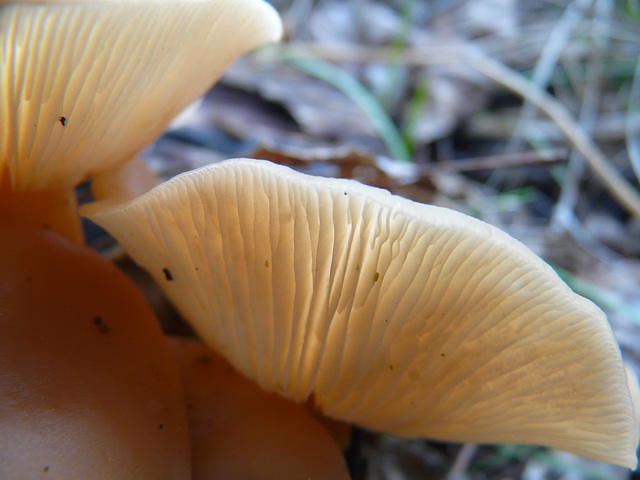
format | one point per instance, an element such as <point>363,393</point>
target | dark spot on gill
<point>63,121</point>
<point>167,274</point>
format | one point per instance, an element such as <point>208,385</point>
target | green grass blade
<point>362,97</point>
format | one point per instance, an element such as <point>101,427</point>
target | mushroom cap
<point>398,316</point>
<point>89,388</point>
<point>87,84</point>
<point>239,431</point>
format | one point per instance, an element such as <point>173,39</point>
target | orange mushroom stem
<point>54,209</point>
<point>239,431</point>
<point>88,387</point>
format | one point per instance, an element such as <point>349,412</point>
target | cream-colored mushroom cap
<point>398,316</point>
<point>84,84</point>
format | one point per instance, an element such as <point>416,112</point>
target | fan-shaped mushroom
<point>394,315</point>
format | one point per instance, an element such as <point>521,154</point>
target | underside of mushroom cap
<point>84,85</point>
<point>398,316</point>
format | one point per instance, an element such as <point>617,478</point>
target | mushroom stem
<point>239,431</point>
<point>339,430</point>
<point>88,388</point>
<point>51,209</point>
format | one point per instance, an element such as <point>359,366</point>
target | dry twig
<point>492,162</point>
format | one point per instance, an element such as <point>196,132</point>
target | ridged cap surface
<point>84,85</point>
<point>398,316</point>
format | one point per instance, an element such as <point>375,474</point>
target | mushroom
<point>89,387</point>
<point>239,431</point>
<point>123,70</point>
<point>396,316</point>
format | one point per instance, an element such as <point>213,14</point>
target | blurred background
<point>525,114</point>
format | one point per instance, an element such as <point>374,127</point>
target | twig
<point>461,464</point>
<point>563,212</point>
<point>632,136</point>
<point>297,14</point>
<point>492,162</point>
<point>338,53</point>
<point>610,127</point>
<point>618,187</point>
<point>546,64</point>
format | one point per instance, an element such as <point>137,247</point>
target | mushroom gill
<point>394,315</point>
